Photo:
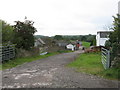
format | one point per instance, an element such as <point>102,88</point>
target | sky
<point>61,17</point>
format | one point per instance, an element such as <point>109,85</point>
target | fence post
<point>108,59</point>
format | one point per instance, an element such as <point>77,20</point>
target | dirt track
<point>51,72</point>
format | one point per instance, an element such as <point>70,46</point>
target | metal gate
<point>7,52</point>
<point>105,58</point>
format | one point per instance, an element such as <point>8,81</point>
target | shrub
<point>114,42</point>
<point>25,53</point>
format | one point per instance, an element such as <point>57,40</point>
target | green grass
<point>112,73</point>
<point>86,44</point>
<point>19,61</point>
<point>91,63</point>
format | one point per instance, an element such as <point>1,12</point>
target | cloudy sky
<point>61,17</point>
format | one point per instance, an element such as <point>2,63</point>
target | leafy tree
<point>83,38</point>
<point>114,41</point>
<point>7,32</point>
<point>115,36</point>
<point>91,39</point>
<point>58,37</point>
<point>24,34</point>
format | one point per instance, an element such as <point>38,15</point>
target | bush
<point>114,42</point>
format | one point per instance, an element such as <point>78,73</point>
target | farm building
<point>39,42</point>
<point>102,37</point>
<point>71,47</point>
<point>61,43</point>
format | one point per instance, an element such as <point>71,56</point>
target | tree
<point>83,38</point>
<point>7,32</point>
<point>91,39</point>
<point>24,34</point>
<point>115,36</point>
<point>114,42</point>
<point>58,37</point>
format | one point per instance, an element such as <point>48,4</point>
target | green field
<point>86,44</point>
<point>91,63</point>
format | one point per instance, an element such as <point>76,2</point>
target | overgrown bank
<point>90,63</point>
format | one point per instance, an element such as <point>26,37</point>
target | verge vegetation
<point>19,61</point>
<point>90,63</point>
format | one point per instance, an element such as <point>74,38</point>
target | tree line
<point>87,38</point>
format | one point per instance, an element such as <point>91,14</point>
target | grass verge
<point>91,63</point>
<point>19,61</point>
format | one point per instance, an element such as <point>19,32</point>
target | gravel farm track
<point>51,72</point>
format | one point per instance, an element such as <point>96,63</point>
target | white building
<point>102,37</point>
<point>70,46</point>
<point>39,42</point>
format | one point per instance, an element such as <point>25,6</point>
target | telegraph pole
<point>119,7</point>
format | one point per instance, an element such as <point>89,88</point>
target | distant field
<point>91,63</point>
<point>86,44</point>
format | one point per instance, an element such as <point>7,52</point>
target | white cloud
<point>61,16</point>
